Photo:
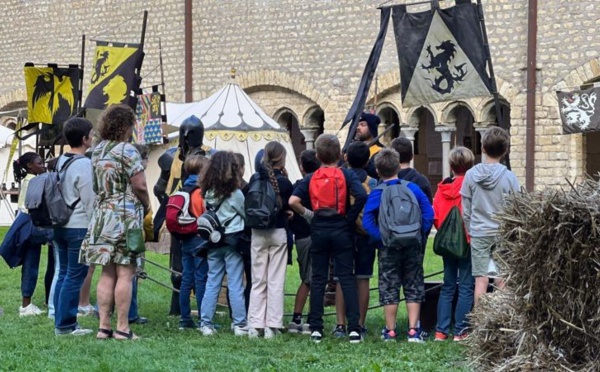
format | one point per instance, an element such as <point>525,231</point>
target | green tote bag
<point>451,238</point>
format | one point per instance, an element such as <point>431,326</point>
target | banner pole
<point>162,84</point>
<point>486,44</point>
<point>81,74</point>
<point>144,23</point>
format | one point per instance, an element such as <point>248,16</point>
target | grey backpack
<point>44,198</point>
<point>399,216</point>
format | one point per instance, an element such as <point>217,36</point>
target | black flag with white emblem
<point>441,53</point>
<point>579,110</point>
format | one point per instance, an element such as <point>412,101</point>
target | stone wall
<point>307,53</point>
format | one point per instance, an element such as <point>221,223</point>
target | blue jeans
<point>194,276</point>
<point>457,272</point>
<point>51,307</point>
<point>70,277</point>
<point>30,269</point>
<point>133,308</point>
<point>220,261</point>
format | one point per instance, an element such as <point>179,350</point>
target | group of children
<point>340,215</point>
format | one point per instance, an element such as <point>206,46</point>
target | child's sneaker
<point>363,332</point>
<point>253,333</point>
<point>296,328</point>
<point>30,310</point>
<point>316,336</point>
<point>271,332</point>
<point>355,337</point>
<point>414,335</point>
<point>208,330</point>
<point>388,335</point>
<point>87,310</point>
<point>461,337</point>
<point>339,331</point>
<point>440,336</point>
<point>240,330</point>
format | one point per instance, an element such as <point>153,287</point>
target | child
<point>456,271</point>
<point>75,172</point>
<point>357,157</point>
<point>301,229</point>
<point>220,182</point>
<point>328,192</point>
<point>269,249</point>
<point>398,265</point>
<point>483,189</point>
<point>404,148</point>
<point>195,268</point>
<point>25,168</point>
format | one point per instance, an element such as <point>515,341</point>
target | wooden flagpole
<point>81,74</point>
<point>144,24</point>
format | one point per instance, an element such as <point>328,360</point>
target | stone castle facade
<point>302,62</point>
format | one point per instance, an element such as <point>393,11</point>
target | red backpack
<point>327,190</point>
<point>180,221</point>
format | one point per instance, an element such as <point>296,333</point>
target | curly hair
<point>115,122</point>
<point>20,165</point>
<point>221,175</point>
<point>274,157</point>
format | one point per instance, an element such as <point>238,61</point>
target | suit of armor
<point>191,135</point>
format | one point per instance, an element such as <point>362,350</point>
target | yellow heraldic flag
<point>52,93</point>
<point>114,75</point>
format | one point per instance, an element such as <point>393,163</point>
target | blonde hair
<point>461,159</point>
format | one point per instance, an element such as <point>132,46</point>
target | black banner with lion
<point>442,54</point>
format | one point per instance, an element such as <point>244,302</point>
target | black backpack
<point>261,205</point>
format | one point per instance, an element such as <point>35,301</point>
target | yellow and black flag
<point>115,74</point>
<point>52,93</point>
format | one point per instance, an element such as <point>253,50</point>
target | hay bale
<point>549,318</point>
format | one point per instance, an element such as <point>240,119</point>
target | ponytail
<point>20,165</point>
<point>274,156</point>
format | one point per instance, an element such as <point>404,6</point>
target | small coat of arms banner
<point>579,110</point>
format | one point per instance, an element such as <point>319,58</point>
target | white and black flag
<point>579,110</point>
<point>441,53</point>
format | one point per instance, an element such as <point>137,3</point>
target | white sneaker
<point>208,330</point>
<point>271,332</point>
<point>30,310</point>
<point>87,310</point>
<point>75,332</point>
<point>240,331</point>
<point>253,333</point>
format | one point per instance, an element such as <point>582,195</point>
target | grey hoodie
<point>483,191</point>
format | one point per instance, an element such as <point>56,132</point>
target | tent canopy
<point>233,122</point>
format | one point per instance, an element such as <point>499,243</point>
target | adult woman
<point>122,201</point>
<point>269,249</point>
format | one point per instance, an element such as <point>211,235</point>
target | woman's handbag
<point>451,238</point>
<point>135,241</point>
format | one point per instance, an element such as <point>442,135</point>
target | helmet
<point>191,135</point>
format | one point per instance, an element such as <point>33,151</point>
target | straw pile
<point>549,316</point>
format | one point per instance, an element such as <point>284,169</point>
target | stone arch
<point>413,115</point>
<point>314,117</point>
<point>389,114</point>
<point>14,99</point>
<point>288,119</point>
<point>386,83</point>
<point>486,110</point>
<point>449,111</point>
<point>276,78</point>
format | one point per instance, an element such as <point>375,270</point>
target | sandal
<point>128,335</point>
<point>107,332</point>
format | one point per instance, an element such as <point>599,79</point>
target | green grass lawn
<point>29,344</point>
